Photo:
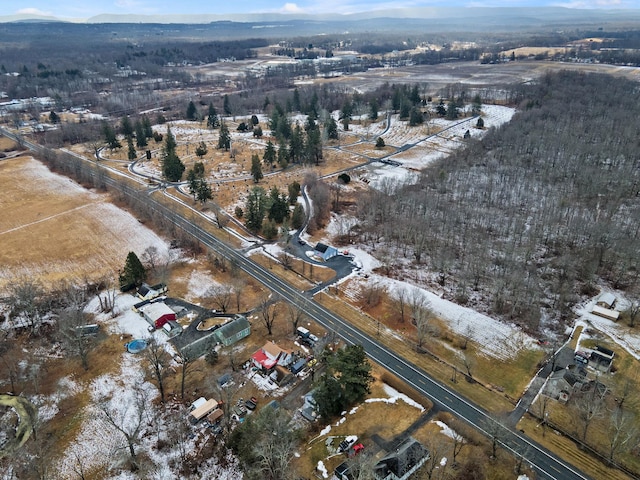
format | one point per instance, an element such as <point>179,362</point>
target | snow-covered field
<point>430,147</point>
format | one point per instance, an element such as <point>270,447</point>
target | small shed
<point>157,314</point>
<point>233,331</point>
<point>298,366</point>
<point>325,251</point>
<point>606,313</point>
<point>215,416</point>
<point>601,358</point>
<point>606,300</point>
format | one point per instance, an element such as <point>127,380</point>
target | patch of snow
<point>325,430</point>
<point>393,393</point>
<point>341,421</point>
<point>446,430</point>
<point>443,461</point>
<point>322,469</point>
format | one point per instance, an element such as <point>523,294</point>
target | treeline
<point>534,215</point>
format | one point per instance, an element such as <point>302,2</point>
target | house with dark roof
<point>400,464</point>
<point>233,331</point>
<point>563,383</point>
<point>325,251</point>
<point>147,292</point>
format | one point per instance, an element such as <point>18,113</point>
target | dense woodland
<point>535,214</point>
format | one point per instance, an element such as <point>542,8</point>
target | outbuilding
<point>605,313</point>
<point>325,251</point>
<point>606,300</point>
<point>157,314</point>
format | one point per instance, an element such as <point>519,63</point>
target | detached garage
<point>157,314</point>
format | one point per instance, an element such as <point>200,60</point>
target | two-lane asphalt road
<point>546,465</point>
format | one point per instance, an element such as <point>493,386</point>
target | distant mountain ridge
<point>545,14</point>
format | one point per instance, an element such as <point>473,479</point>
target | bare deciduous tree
<point>267,312</point>
<point>76,338</point>
<point>400,302</point>
<point>239,284</point>
<point>221,296</point>
<point>151,257</point>
<point>128,421</point>
<point>623,432</point>
<point>159,362</point>
<point>587,407</point>
<point>295,314</point>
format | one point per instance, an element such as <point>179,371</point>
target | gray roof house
<point>403,462</point>
<point>563,383</point>
<point>325,251</point>
<point>233,331</point>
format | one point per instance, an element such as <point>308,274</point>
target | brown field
<point>54,230</point>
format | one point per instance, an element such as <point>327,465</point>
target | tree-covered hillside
<point>534,215</point>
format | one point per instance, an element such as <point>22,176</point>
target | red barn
<point>157,314</point>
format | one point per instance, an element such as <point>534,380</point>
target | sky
<point>85,9</point>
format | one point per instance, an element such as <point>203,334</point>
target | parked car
<point>252,403</point>
<point>347,443</point>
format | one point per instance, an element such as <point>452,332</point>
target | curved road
<point>545,464</point>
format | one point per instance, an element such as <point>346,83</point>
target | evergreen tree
<point>141,138</point>
<point>257,131</point>
<point>441,109</point>
<point>405,110</point>
<point>452,110</point>
<point>212,117</point>
<point>476,106</point>
<point>279,209</point>
<point>297,217</point>
<point>110,136</point>
<point>480,123</point>
<point>270,154</point>
<point>226,106</point>
<point>345,114</point>
<point>283,155</point>
<point>256,168</point>
<point>296,101</point>
<point>203,191</point>
<point>192,111</point>
<point>131,150</point>
<point>172,166</point>
<point>270,230</point>
<point>133,272</point>
<point>126,127</point>
<point>146,124</point>
<point>380,142</point>
<point>224,139</point>
<point>255,209</point>
<point>373,110</point>
<point>331,127</point>
<point>296,145</point>
<point>345,382</point>
<point>313,146</point>
<point>54,117</point>
<point>414,96</point>
<point>415,118</point>
<point>294,191</point>
<point>201,149</point>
